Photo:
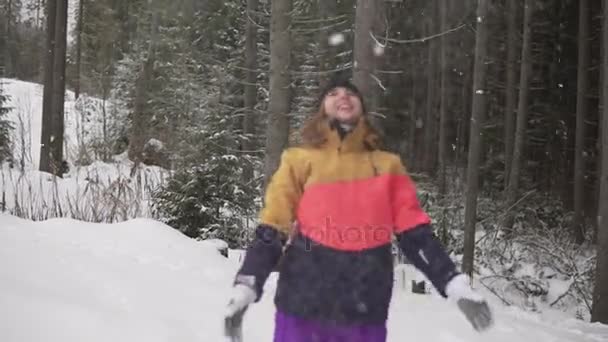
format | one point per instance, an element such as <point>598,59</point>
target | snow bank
<point>63,280</point>
<point>100,192</point>
<point>83,121</point>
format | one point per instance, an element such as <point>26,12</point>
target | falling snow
<point>336,39</point>
<point>378,50</point>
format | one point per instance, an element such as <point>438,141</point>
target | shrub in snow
<point>155,153</point>
<point>5,128</point>
<point>206,201</point>
<point>538,268</point>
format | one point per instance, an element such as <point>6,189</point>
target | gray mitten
<point>473,306</point>
<point>478,313</point>
<point>242,297</point>
<point>233,326</point>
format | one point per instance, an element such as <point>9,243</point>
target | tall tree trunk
<point>464,126</point>
<point>599,312</point>
<point>47,97</point>
<point>413,110</point>
<point>59,62</point>
<point>280,89</point>
<point>366,22</point>
<point>139,131</point>
<point>599,143</point>
<point>443,117</point>
<point>510,90</point>
<point>522,114</point>
<point>251,89</point>
<point>479,108</point>
<point>581,113</point>
<point>78,47</point>
<point>327,10</point>
<point>422,57</point>
<point>430,124</point>
<point>8,62</point>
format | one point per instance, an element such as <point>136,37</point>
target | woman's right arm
<point>276,219</point>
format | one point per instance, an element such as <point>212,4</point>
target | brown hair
<point>312,133</point>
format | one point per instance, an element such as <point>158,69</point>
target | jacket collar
<point>358,139</point>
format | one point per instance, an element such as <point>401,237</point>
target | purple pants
<point>293,329</point>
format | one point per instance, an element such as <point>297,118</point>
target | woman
<point>348,199</point>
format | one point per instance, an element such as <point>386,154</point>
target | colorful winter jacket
<point>340,205</point>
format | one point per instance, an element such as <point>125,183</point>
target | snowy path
<point>63,280</point>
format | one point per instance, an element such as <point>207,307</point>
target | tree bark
<point>599,312</point>
<point>510,91</point>
<point>139,131</point>
<point>364,63</point>
<point>430,124</point>
<point>251,89</point>
<point>581,113</point>
<point>47,97</point>
<point>78,47</point>
<point>280,89</point>
<point>522,114</point>
<point>327,9</point>
<point>443,117</point>
<point>598,167</point>
<point>59,62</point>
<point>479,109</point>
<point>413,109</point>
<point>8,62</point>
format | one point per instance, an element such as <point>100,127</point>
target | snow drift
<point>63,280</point>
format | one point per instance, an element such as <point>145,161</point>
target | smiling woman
<point>342,103</point>
<point>340,200</point>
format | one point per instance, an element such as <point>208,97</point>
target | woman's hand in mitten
<point>242,297</point>
<point>473,306</point>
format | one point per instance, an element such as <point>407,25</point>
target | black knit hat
<point>340,82</point>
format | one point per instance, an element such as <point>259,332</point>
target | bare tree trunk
<point>464,126</point>
<point>600,138</point>
<point>327,10</point>
<point>510,90</point>
<point>414,110</point>
<point>251,89</point>
<point>599,312</point>
<point>479,108</point>
<point>443,148</point>
<point>138,132</point>
<point>8,62</point>
<point>47,98</point>
<point>522,114</point>
<point>59,61</point>
<point>581,113</point>
<point>78,47</point>
<point>280,89</point>
<point>430,124</point>
<point>420,148</point>
<point>366,22</point>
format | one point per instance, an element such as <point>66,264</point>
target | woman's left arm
<point>416,240</point>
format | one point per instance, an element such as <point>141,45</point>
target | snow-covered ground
<point>99,192</point>
<point>63,280</point>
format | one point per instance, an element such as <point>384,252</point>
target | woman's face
<point>343,105</point>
